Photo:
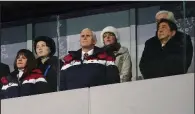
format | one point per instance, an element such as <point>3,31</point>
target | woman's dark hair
<point>49,43</point>
<point>31,61</point>
<point>171,24</point>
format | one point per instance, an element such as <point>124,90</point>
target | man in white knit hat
<point>110,40</point>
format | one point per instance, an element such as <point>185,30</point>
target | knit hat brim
<point>109,29</point>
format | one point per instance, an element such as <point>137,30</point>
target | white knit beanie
<point>109,29</point>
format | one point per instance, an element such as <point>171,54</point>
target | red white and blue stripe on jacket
<point>34,83</point>
<point>97,69</point>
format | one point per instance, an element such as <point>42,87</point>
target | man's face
<point>164,31</point>
<point>86,38</point>
<point>161,16</point>
<point>109,38</point>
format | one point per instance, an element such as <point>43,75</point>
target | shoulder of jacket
<point>3,65</point>
<point>123,50</point>
<point>151,40</point>
<point>35,74</point>
<point>183,35</point>
<point>37,71</point>
<point>68,58</point>
<point>106,56</point>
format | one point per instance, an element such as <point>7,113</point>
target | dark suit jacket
<point>172,59</point>
<point>4,71</point>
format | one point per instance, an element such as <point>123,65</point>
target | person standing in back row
<point>166,54</point>
<point>181,56</point>
<point>111,41</point>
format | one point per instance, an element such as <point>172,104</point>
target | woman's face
<point>21,62</point>
<point>109,38</point>
<point>42,49</point>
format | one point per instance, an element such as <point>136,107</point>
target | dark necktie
<point>85,56</point>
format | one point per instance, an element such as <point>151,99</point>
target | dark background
<point>30,11</point>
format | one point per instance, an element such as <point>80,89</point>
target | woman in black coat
<point>48,63</point>
<point>26,79</point>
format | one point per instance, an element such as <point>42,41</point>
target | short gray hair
<point>170,14</point>
<point>94,35</point>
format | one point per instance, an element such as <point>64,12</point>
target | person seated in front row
<point>4,71</point>
<point>26,79</point>
<point>49,64</point>
<point>89,66</point>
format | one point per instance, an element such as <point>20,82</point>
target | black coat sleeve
<point>178,63</point>
<point>11,92</point>
<point>63,80</point>
<point>10,89</point>
<point>4,70</point>
<point>42,87</point>
<point>175,58</point>
<point>149,64</point>
<point>63,76</point>
<point>7,70</point>
<point>37,86</point>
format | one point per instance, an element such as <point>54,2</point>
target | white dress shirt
<point>90,52</point>
<point>20,73</point>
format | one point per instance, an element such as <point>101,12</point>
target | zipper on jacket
<point>19,87</point>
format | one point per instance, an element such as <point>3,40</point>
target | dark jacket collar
<point>77,54</point>
<point>15,73</point>
<point>177,37</point>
